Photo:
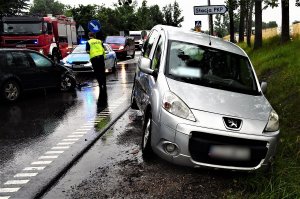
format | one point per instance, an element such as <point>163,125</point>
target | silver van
<point>202,103</point>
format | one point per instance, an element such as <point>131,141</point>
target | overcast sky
<point>188,13</point>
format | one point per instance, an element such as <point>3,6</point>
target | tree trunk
<point>231,22</point>
<point>242,20</point>
<point>258,24</point>
<point>249,24</point>
<point>285,27</point>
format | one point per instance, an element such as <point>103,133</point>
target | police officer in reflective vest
<point>97,55</point>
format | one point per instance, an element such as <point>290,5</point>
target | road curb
<point>65,169</point>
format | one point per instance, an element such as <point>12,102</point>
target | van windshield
<point>210,67</point>
<point>115,40</point>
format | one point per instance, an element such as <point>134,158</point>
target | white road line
<point>80,132</point>
<point>4,197</point>
<point>75,136</point>
<point>14,182</point>
<point>104,114</point>
<point>70,140</point>
<point>33,168</point>
<point>41,162</point>
<point>22,175</point>
<point>9,190</point>
<point>48,157</point>
<point>54,152</point>
<point>87,125</point>
<point>65,143</point>
<point>60,147</point>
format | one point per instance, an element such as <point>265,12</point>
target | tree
<point>231,6</point>
<point>285,27</point>
<point>44,7</point>
<point>13,7</point>
<point>220,25</point>
<point>83,14</point>
<point>242,20</point>
<point>172,15</point>
<point>297,3</point>
<point>258,24</point>
<point>250,5</point>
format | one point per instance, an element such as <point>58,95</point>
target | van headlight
<point>273,123</point>
<point>174,105</point>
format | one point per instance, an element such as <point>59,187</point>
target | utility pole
<point>210,21</point>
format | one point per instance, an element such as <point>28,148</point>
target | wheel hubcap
<point>66,83</point>
<point>146,134</point>
<point>11,91</point>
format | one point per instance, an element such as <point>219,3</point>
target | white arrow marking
<point>94,26</point>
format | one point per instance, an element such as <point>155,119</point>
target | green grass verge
<point>279,66</point>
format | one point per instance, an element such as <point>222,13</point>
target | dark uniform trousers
<point>99,70</point>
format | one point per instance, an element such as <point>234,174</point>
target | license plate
<point>229,152</point>
<point>21,46</point>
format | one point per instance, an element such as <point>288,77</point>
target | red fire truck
<point>52,36</point>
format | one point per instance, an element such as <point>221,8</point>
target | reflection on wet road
<point>42,121</point>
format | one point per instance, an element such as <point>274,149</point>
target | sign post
<point>210,10</point>
<point>94,26</point>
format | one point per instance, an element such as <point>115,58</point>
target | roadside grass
<point>279,66</point>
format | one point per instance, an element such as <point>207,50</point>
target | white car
<point>79,60</point>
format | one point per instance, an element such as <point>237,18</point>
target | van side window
<point>157,55</point>
<point>149,43</point>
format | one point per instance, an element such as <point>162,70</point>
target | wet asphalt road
<point>43,122</point>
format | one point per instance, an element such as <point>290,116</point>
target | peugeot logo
<point>232,123</point>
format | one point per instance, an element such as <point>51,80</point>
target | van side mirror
<point>144,66</point>
<point>263,86</point>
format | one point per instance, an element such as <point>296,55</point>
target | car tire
<point>133,104</point>
<point>67,83</point>
<point>114,68</point>
<point>146,140</point>
<point>11,91</point>
<point>133,55</point>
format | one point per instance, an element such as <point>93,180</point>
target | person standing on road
<point>95,48</point>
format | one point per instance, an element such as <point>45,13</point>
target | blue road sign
<point>94,26</point>
<point>197,23</point>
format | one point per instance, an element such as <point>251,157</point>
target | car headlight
<point>174,105</point>
<point>121,47</point>
<point>88,64</point>
<point>41,51</point>
<point>65,62</point>
<point>273,123</point>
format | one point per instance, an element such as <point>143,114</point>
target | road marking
<point>9,190</point>
<point>65,143</point>
<point>87,125</point>
<point>4,197</point>
<point>48,157</point>
<point>75,136</point>
<point>60,147</point>
<point>70,140</point>
<point>33,168</point>
<point>22,175</point>
<point>79,132</point>
<point>41,162</point>
<point>54,152</point>
<point>15,182</point>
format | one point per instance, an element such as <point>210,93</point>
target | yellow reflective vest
<point>96,48</point>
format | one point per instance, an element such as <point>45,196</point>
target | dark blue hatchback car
<point>23,69</point>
